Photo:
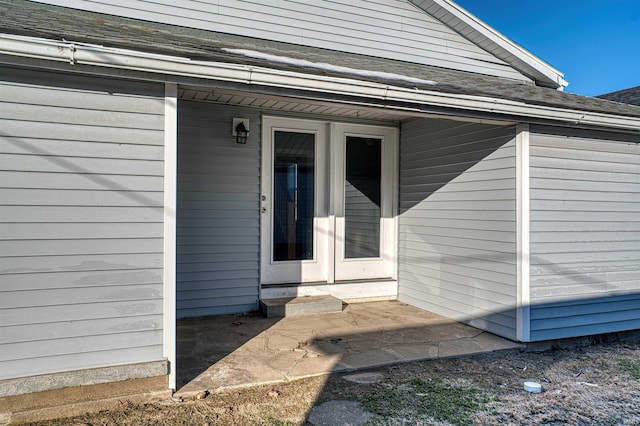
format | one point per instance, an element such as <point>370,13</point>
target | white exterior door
<point>363,201</point>
<point>328,201</point>
<point>294,234</point>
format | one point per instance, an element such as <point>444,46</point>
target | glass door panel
<point>293,195</point>
<point>362,210</point>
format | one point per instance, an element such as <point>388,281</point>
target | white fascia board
<point>100,56</point>
<point>472,26</point>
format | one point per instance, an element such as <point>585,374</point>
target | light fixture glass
<point>241,133</point>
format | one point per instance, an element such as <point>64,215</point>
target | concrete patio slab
<point>232,351</point>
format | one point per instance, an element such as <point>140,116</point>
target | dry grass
<point>597,385</point>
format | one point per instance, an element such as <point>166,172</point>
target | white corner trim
<point>522,224</point>
<point>170,194</point>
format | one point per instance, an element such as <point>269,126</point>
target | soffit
<point>287,104</point>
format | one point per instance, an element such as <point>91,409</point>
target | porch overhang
<point>418,101</point>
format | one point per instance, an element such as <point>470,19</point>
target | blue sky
<point>596,43</point>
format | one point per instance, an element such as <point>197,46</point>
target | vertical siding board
<point>457,230</point>
<point>371,28</point>
<point>218,211</point>
<point>80,222</point>
<point>585,233</point>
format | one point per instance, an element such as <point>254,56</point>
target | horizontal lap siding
<point>218,211</point>
<point>393,29</point>
<point>458,222</point>
<point>81,222</point>
<point>585,235</point>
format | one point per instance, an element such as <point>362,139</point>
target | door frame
<point>329,176</point>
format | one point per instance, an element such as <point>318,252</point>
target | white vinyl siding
<point>457,236</point>
<point>218,211</point>
<point>393,29</point>
<point>585,234</point>
<point>81,212</point>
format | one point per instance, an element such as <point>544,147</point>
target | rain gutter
<point>94,55</point>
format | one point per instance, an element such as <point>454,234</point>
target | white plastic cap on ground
<point>533,387</point>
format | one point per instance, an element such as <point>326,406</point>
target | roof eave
<point>167,66</point>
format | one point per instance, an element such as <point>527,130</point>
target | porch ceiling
<point>289,104</point>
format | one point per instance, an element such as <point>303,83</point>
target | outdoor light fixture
<point>240,130</point>
<point>241,133</point>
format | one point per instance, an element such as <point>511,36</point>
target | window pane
<point>362,197</point>
<point>293,203</point>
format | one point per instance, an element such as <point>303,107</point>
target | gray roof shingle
<point>629,96</point>
<point>21,17</point>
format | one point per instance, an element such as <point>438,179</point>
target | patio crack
<point>289,375</point>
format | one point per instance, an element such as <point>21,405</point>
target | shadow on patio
<point>230,351</point>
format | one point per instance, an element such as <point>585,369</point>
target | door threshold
<point>321,283</point>
<point>344,290</point>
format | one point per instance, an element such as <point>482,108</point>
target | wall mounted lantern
<point>240,129</point>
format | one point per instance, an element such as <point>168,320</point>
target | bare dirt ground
<point>596,385</point>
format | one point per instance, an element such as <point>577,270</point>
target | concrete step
<point>292,306</point>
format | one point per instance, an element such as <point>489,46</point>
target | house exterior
<point>395,149</point>
<point>626,96</point>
